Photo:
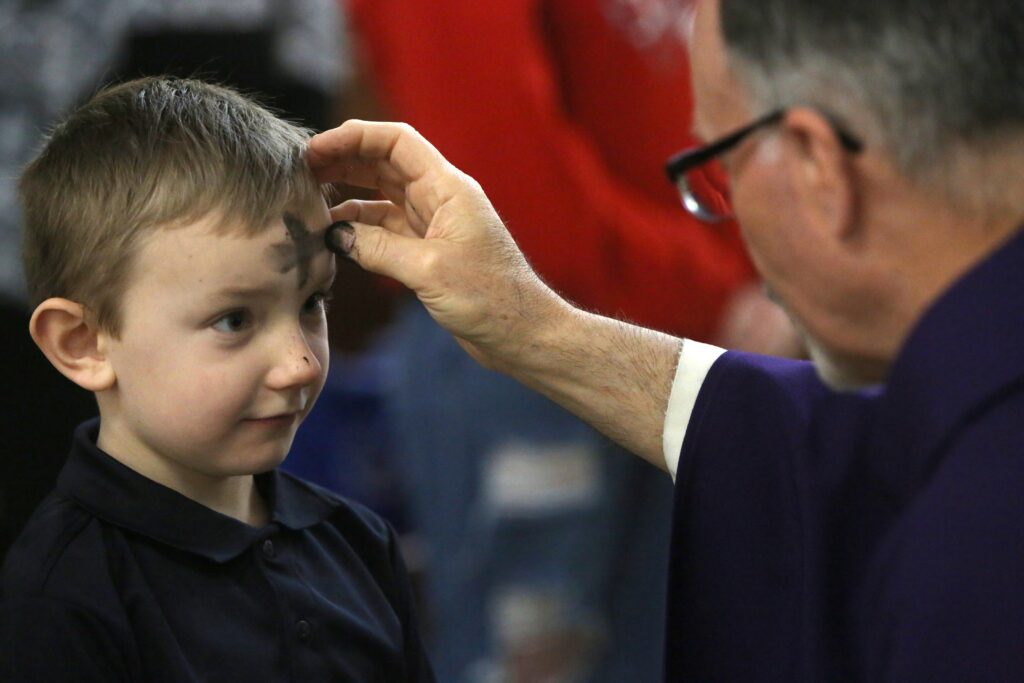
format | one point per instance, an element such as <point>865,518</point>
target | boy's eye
<point>233,322</point>
<point>317,303</point>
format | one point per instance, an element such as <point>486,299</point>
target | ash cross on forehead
<point>299,250</point>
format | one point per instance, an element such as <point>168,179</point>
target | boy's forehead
<point>300,245</point>
<point>207,255</point>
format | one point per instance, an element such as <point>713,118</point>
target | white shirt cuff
<point>695,360</point>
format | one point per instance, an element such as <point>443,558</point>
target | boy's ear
<point>60,329</point>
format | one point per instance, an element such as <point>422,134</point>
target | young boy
<point>174,249</point>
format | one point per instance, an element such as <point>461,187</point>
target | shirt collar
<point>120,495</point>
<point>967,348</point>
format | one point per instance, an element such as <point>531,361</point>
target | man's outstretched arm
<point>436,232</point>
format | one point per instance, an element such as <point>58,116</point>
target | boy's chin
<point>270,462</point>
<point>257,461</point>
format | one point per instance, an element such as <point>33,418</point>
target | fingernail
<point>340,237</point>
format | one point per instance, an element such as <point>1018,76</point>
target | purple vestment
<point>868,536</point>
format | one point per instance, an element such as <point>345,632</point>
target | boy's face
<point>222,351</point>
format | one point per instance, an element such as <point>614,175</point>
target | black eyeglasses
<point>698,193</point>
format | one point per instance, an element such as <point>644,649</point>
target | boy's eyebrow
<point>327,281</point>
<point>244,292</point>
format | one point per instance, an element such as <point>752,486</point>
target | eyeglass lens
<point>705,192</point>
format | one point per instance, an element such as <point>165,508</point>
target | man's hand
<point>437,233</point>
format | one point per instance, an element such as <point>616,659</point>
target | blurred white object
<point>529,479</point>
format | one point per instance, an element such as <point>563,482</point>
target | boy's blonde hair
<point>150,153</point>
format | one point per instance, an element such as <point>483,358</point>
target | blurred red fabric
<point>566,124</point>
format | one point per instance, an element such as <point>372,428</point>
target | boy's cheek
<point>200,386</point>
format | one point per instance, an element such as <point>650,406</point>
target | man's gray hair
<point>938,83</point>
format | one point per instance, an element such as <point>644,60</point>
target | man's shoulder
<point>779,385</point>
<point>943,597</point>
<point>993,431</point>
<point>972,497</point>
<point>979,475</point>
<point>769,403</point>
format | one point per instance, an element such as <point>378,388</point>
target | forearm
<point>615,376</point>
<point>438,234</point>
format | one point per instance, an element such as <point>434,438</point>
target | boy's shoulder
<point>367,540</point>
<point>59,598</point>
<point>353,520</point>
<point>61,548</point>
<point>77,542</point>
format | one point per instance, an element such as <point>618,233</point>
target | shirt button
<point>303,630</point>
<point>268,548</point>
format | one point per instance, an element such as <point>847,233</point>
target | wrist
<point>539,326</point>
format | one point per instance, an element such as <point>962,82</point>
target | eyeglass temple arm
<point>692,158</point>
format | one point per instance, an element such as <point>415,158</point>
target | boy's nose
<point>296,364</point>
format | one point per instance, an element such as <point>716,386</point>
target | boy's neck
<point>234,496</point>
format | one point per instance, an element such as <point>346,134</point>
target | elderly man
<point>858,519</point>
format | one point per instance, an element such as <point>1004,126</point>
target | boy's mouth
<point>280,420</point>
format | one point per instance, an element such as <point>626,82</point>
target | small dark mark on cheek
<point>306,358</point>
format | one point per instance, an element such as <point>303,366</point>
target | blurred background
<point>538,547</point>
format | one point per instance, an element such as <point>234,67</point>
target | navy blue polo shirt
<point>118,578</point>
<point>873,536</point>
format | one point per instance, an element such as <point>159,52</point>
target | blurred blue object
<point>344,443</point>
<point>533,524</point>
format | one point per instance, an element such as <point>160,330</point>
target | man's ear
<point>60,329</point>
<point>823,177</point>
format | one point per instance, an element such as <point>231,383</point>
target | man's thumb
<point>375,249</point>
